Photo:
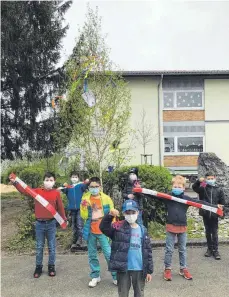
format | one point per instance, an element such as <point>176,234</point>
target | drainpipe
<point>159,86</point>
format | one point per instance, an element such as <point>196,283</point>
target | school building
<point>188,112</point>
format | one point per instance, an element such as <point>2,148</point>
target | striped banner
<point>211,208</point>
<point>41,200</point>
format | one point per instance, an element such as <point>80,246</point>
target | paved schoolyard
<point>211,277</point>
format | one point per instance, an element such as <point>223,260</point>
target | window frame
<point>175,99</point>
<point>176,153</point>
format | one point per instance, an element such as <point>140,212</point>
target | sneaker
<point>208,253</point>
<point>38,271</point>
<point>115,282</point>
<point>216,255</point>
<point>185,273</point>
<point>73,246</point>
<point>94,282</point>
<point>51,270</point>
<point>79,242</point>
<point>167,275</point>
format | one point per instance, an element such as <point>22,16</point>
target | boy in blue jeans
<point>45,222</point>
<point>74,194</point>
<point>177,227</point>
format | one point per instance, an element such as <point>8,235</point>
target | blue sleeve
<point>65,191</point>
<point>84,187</point>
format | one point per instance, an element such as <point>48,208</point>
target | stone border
<point>191,242</point>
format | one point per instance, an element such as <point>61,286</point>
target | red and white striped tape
<point>218,211</point>
<point>41,200</point>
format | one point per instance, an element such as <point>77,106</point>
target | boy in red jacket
<point>45,222</point>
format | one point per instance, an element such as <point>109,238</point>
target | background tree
<point>31,34</point>
<point>144,132</point>
<point>101,127</point>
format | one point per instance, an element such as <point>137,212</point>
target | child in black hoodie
<point>213,194</point>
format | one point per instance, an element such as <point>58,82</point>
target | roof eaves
<point>174,73</point>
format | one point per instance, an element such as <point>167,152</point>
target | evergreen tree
<point>31,36</point>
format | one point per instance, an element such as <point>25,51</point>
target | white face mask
<point>74,180</point>
<point>48,184</point>
<point>133,177</point>
<point>131,218</point>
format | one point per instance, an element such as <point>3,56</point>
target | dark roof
<point>175,72</point>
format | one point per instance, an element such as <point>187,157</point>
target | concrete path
<point>211,277</point>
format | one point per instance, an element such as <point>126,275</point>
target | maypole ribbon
<point>41,200</point>
<point>216,210</point>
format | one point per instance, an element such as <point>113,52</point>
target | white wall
<point>217,117</point>
<point>217,140</point>
<point>216,99</point>
<point>144,95</point>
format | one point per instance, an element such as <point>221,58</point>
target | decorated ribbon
<point>211,208</point>
<point>41,200</point>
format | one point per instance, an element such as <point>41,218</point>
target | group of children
<point>129,256</point>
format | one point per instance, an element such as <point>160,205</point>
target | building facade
<point>188,113</point>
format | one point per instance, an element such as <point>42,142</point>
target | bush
<point>156,231</point>
<point>15,169</point>
<point>60,180</point>
<point>152,177</point>
<point>33,177</point>
<point>25,238</point>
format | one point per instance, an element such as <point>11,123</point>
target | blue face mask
<point>211,182</point>
<point>177,191</point>
<point>94,191</point>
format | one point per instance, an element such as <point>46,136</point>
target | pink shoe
<point>185,273</point>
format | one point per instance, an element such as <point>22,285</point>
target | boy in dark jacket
<point>213,194</point>
<point>176,227</point>
<point>133,182</point>
<point>74,194</point>
<point>131,252</point>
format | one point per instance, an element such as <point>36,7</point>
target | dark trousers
<point>124,283</point>
<point>211,232</point>
<point>77,225</point>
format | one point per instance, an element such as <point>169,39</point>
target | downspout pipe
<point>159,86</point>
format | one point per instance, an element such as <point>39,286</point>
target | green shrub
<point>60,180</point>
<point>152,177</point>
<point>156,231</point>
<point>25,237</point>
<point>14,169</point>
<point>11,195</point>
<point>32,176</point>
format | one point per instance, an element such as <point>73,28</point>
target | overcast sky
<point>159,35</point>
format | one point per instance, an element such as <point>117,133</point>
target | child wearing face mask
<point>128,191</point>
<point>131,252</point>
<point>45,222</point>
<point>95,204</point>
<point>74,194</point>
<point>176,227</point>
<point>213,194</point>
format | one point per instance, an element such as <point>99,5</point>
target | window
<point>168,100</point>
<point>184,144</point>
<point>184,128</point>
<point>183,100</point>
<point>189,99</point>
<point>190,144</point>
<point>169,144</point>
